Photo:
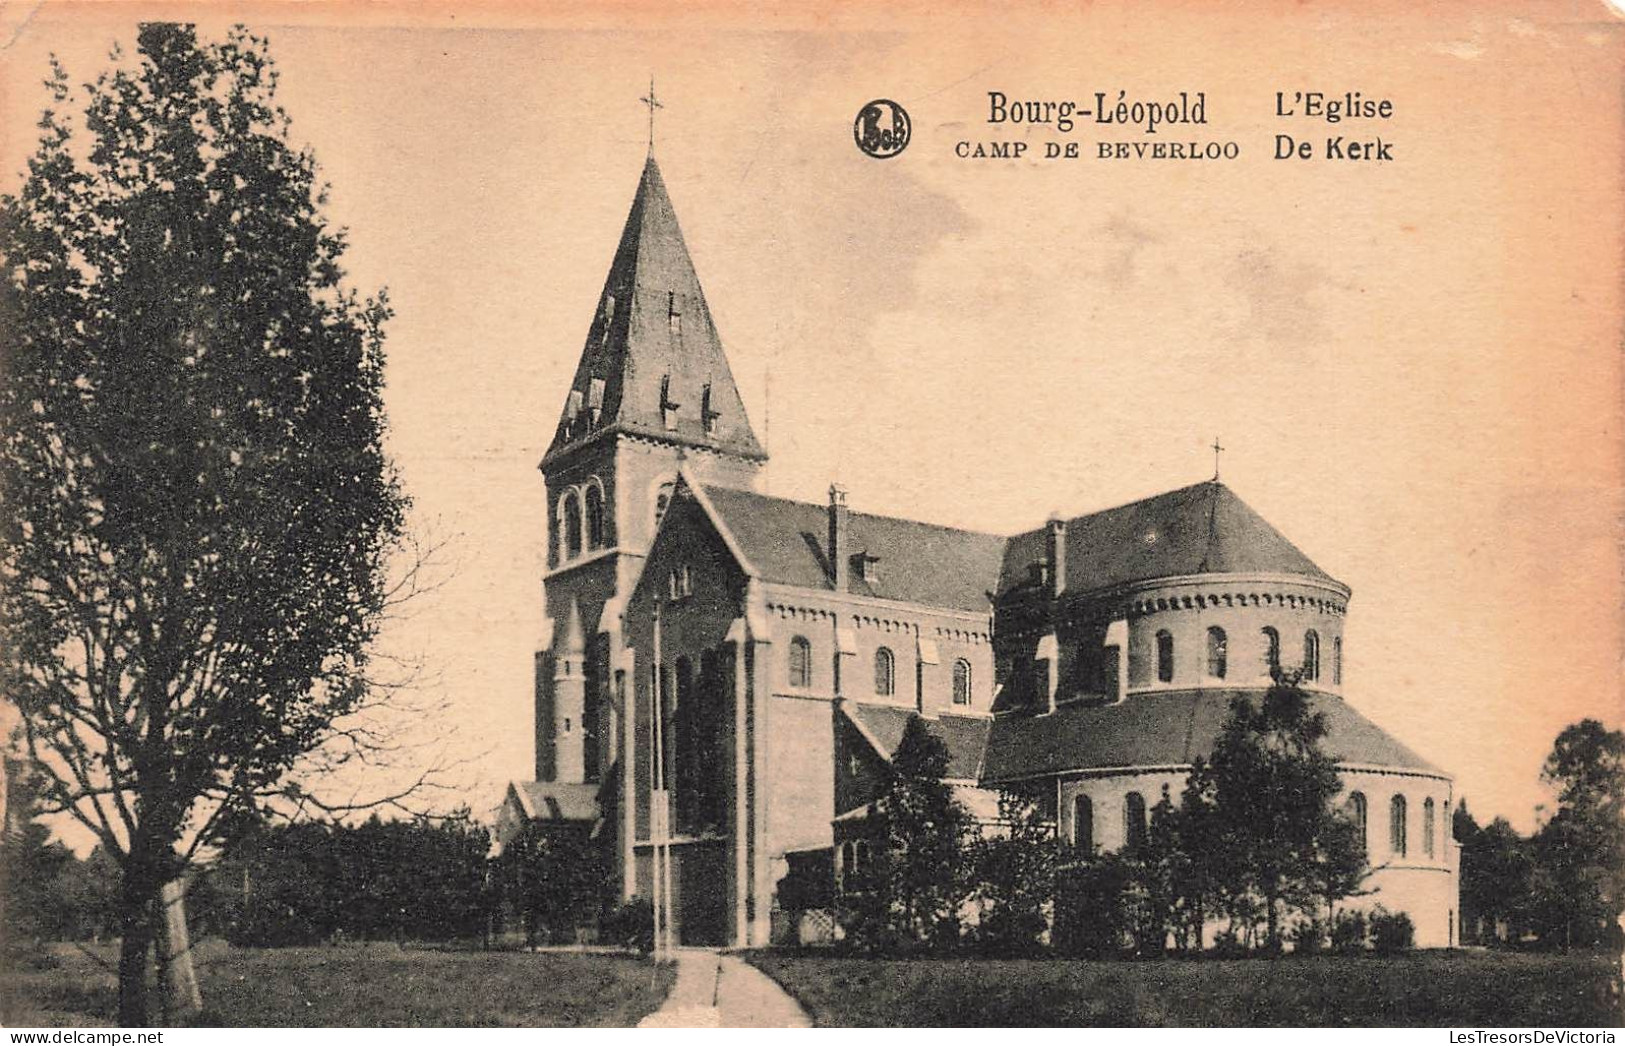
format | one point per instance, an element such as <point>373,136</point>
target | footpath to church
<point>723,991</point>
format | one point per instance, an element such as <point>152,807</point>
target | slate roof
<point>1165,728</point>
<point>981,803</point>
<point>965,737</point>
<point>1200,529</point>
<point>556,801</point>
<point>917,562</point>
<point>636,350</point>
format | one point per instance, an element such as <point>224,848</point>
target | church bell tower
<point>652,392</point>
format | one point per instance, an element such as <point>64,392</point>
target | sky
<point>1414,365</point>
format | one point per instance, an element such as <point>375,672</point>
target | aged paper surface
<point>1373,251</point>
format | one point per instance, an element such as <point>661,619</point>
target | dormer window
<point>867,566</point>
<point>572,409</point>
<point>609,318</point>
<point>595,400</point>
<point>710,416</point>
<point>668,407</point>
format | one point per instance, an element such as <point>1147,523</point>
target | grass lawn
<point>359,986</point>
<point>1425,989</point>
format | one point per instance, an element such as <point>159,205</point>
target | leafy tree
<point>917,880</point>
<point>1165,870</point>
<point>553,879</point>
<point>197,508</point>
<point>1267,791</point>
<point>1014,871</point>
<point>1579,853</point>
<point>1497,878</point>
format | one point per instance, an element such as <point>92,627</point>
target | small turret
<point>569,699</point>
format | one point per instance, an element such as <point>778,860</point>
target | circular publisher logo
<point>882,128</point>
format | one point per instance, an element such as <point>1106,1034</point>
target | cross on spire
<point>1217,450</point>
<point>653,103</point>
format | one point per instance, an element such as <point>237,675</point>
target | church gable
<point>693,557</point>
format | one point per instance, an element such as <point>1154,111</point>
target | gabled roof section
<point>915,562</point>
<point>1201,529</point>
<point>965,737</point>
<point>1167,728</point>
<point>653,364</point>
<point>556,801</point>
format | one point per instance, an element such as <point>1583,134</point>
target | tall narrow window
<point>1272,651</point>
<point>1217,652</point>
<point>1358,813</point>
<point>961,682</point>
<point>1428,827</point>
<point>800,662</point>
<point>1396,825</point>
<point>570,509</point>
<point>674,315</point>
<point>1165,657</point>
<point>1133,822</point>
<point>1083,824</point>
<point>595,516</point>
<point>1337,660</point>
<point>885,673</point>
<point>1311,656</point>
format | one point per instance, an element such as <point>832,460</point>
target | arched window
<point>1358,813</point>
<point>885,673</point>
<point>1428,827</point>
<point>1083,824</point>
<point>1396,825</point>
<point>1165,656</point>
<point>570,511</point>
<point>961,682</point>
<point>1217,652</point>
<point>595,516</point>
<point>1272,651</point>
<point>1133,822</point>
<point>1337,660</point>
<point>1311,656</point>
<point>800,662</point>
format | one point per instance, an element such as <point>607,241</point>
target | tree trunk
<point>135,924</point>
<point>182,999</point>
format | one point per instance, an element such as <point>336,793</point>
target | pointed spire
<point>653,364</point>
<point>572,641</point>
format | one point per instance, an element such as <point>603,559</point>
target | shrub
<point>1391,932</point>
<point>1349,932</point>
<point>631,924</point>
<point>1308,936</point>
<point>1092,908</point>
<point>1227,944</point>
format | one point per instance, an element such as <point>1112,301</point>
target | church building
<point>755,659</point>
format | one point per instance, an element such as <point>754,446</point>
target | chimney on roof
<point>839,540</point>
<point>1055,555</point>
